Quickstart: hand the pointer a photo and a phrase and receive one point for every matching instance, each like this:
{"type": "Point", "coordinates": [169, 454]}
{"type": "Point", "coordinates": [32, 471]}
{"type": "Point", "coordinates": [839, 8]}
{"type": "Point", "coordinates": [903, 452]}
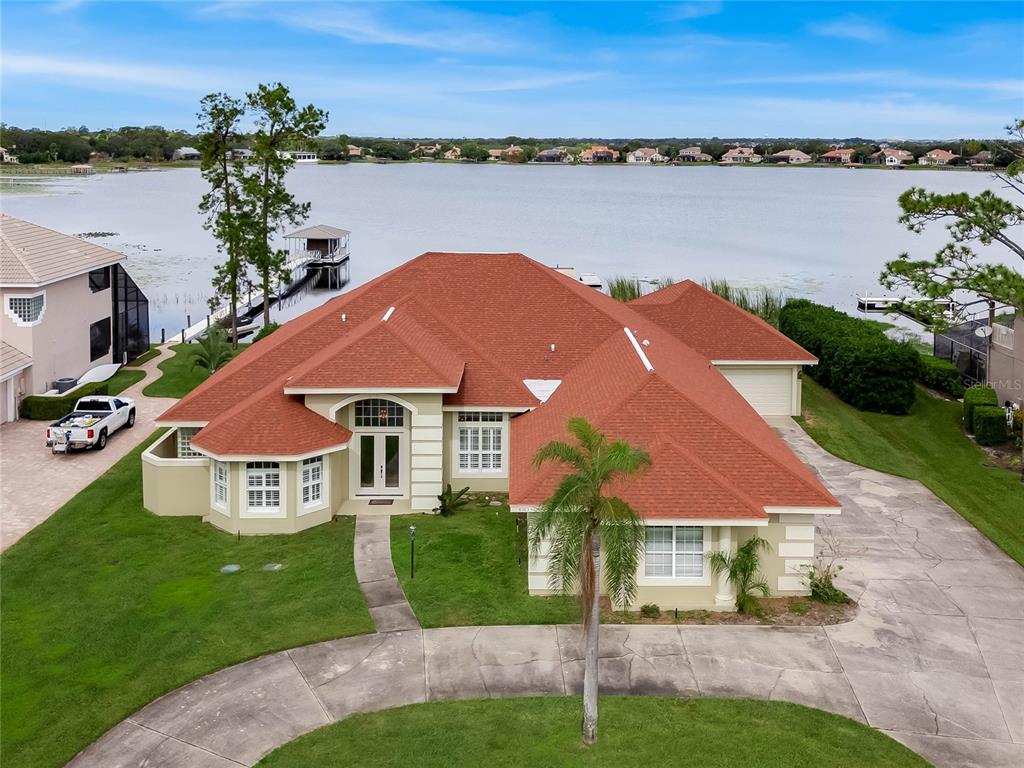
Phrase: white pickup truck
{"type": "Point", "coordinates": [94, 419]}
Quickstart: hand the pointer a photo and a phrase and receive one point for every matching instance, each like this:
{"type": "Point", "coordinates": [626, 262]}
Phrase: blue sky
{"type": "Point", "coordinates": [899, 70]}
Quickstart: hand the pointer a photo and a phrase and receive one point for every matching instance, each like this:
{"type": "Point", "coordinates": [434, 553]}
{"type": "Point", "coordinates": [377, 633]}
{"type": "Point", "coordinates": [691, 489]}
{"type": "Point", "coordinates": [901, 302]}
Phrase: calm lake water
{"type": "Point", "coordinates": [822, 233]}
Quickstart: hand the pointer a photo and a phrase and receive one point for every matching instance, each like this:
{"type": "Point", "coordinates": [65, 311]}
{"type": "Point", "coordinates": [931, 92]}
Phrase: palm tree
{"type": "Point", "coordinates": [214, 350]}
{"type": "Point", "coordinates": [578, 519]}
{"type": "Point", "coordinates": [741, 569]}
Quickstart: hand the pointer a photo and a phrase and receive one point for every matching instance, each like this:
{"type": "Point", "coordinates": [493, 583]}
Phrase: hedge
{"type": "Point", "coordinates": [990, 425]}
{"type": "Point", "coordinates": [856, 360]}
{"type": "Point", "coordinates": [942, 376]}
{"type": "Point", "coordinates": [52, 408]}
{"type": "Point", "coordinates": [978, 395]}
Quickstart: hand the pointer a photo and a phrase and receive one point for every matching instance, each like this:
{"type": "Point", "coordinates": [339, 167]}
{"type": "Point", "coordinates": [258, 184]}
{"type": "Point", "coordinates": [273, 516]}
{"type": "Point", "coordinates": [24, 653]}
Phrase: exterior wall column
{"type": "Point", "coordinates": [725, 598]}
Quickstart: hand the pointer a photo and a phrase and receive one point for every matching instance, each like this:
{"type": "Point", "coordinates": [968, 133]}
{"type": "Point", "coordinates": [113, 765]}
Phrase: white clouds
{"type": "Point", "coordinates": [890, 79]}
{"type": "Point", "coordinates": [693, 10]}
{"type": "Point", "coordinates": [102, 74]}
{"type": "Point", "coordinates": [851, 28]}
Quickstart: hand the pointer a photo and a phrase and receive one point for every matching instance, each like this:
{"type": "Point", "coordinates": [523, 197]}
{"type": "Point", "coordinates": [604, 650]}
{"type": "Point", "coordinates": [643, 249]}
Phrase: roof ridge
{"type": "Point", "coordinates": [408, 318]}
{"type": "Point", "coordinates": [715, 475]}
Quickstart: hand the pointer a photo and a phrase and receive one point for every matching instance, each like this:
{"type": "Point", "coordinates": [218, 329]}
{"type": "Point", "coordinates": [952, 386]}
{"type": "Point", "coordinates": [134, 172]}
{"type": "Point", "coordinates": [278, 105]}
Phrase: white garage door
{"type": "Point", "coordinates": [769, 389]}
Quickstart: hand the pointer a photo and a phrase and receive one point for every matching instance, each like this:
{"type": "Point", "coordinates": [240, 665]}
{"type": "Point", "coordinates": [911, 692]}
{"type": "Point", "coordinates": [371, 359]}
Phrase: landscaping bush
{"type": "Point", "coordinates": [52, 408]}
{"type": "Point", "coordinates": [990, 425]}
{"type": "Point", "coordinates": [856, 360]}
{"type": "Point", "coordinates": [978, 395]}
{"type": "Point", "coordinates": [650, 611]}
{"type": "Point", "coordinates": [266, 330]}
{"type": "Point", "coordinates": [942, 376]}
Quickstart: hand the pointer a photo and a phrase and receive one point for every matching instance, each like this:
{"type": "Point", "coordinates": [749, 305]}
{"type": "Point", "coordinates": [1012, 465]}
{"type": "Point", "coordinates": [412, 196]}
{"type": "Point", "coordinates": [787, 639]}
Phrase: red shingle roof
{"type": "Point", "coordinates": [484, 323]}
{"type": "Point", "coordinates": [716, 328]}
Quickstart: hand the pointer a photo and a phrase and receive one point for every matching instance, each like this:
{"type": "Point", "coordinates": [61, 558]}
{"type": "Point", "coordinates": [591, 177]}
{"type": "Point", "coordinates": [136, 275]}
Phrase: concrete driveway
{"type": "Point", "coordinates": [35, 483]}
{"type": "Point", "coordinates": [935, 658]}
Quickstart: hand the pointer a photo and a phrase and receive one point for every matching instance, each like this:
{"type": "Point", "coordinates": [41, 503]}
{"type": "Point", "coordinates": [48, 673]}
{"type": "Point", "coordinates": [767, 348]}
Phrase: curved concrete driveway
{"type": "Point", "coordinates": [35, 483]}
{"type": "Point", "coordinates": [935, 658]}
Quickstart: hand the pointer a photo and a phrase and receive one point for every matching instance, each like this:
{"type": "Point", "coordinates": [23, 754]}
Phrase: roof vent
{"type": "Point", "coordinates": [344, 317]}
{"type": "Point", "coordinates": [646, 342]}
{"type": "Point", "coordinates": [552, 347]}
{"type": "Point", "coordinates": [639, 350]}
{"type": "Point", "coordinates": [387, 314]}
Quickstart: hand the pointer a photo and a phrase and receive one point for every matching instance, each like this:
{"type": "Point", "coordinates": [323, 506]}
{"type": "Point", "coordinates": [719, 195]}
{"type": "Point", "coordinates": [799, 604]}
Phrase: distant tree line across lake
{"type": "Point", "coordinates": [155, 144]}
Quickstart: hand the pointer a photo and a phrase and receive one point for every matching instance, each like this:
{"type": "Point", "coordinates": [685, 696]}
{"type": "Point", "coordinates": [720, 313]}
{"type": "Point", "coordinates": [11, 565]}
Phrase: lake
{"type": "Point", "coordinates": [818, 232]}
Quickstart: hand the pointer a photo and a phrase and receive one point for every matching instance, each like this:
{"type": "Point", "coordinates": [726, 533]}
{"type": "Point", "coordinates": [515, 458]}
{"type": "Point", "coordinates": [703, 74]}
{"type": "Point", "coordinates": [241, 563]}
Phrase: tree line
{"type": "Point", "coordinates": [154, 143]}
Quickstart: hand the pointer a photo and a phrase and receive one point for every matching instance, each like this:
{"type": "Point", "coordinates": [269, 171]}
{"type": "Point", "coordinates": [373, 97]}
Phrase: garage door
{"type": "Point", "coordinates": [768, 389]}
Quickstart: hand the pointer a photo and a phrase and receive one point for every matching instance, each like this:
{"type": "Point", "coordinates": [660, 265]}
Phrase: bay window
{"type": "Point", "coordinates": [263, 486]}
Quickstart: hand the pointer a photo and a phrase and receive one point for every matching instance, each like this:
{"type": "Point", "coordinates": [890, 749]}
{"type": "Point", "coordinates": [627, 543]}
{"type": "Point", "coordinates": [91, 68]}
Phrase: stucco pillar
{"type": "Point", "coordinates": [725, 598]}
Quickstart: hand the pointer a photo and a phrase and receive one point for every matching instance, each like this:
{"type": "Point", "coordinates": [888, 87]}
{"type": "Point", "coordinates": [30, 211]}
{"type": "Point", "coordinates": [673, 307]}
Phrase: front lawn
{"type": "Point", "coordinates": [105, 607]}
{"type": "Point", "coordinates": [645, 732]}
{"type": "Point", "coordinates": [179, 374]}
{"type": "Point", "coordinates": [926, 445]}
{"type": "Point", "coordinates": [471, 570]}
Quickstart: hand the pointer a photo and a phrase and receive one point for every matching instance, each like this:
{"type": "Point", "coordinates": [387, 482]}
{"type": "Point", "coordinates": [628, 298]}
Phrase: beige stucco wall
{"type": "Point", "coordinates": [59, 343]}
{"type": "Point", "coordinates": [173, 486]}
{"type": "Point", "coordinates": [1006, 366]}
{"type": "Point", "coordinates": [476, 481]}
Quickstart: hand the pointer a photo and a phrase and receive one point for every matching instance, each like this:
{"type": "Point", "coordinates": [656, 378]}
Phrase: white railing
{"type": "Point", "coordinates": [1002, 335]}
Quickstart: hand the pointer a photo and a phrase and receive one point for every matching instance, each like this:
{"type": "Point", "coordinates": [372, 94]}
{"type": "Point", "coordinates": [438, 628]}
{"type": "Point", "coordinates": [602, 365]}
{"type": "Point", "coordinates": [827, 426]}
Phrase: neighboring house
{"type": "Point", "coordinates": [68, 306]}
{"type": "Point", "coordinates": [186, 153]}
{"type": "Point", "coordinates": [428, 150]}
{"type": "Point", "coordinates": [354, 152]}
{"type": "Point", "coordinates": [790, 156]}
{"type": "Point", "coordinates": [1006, 361]}
{"type": "Point", "coordinates": [982, 160]}
{"type": "Point", "coordinates": [553, 155]}
{"type": "Point", "coordinates": [645, 156]}
{"type": "Point", "coordinates": [693, 155]}
{"type": "Point", "coordinates": [7, 157]}
{"type": "Point", "coordinates": [739, 155]}
{"type": "Point", "coordinates": [241, 154]}
{"type": "Point", "coordinates": [599, 154]}
{"type": "Point", "coordinates": [457, 368]}
{"type": "Point", "coordinates": [455, 153]}
{"type": "Point", "coordinates": [891, 157]}
{"type": "Point", "coordinates": [840, 156]}
{"type": "Point", "coordinates": [511, 152]}
{"type": "Point", "coordinates": [937, 157]}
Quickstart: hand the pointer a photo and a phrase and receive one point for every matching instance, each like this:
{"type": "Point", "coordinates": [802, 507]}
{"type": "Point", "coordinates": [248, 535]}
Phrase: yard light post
{"type": "Point", "coordinates": [412, 551]}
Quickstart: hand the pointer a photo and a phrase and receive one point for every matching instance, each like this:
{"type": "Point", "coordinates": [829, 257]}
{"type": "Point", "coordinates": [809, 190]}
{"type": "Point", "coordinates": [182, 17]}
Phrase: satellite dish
{"type": "Point", "coordinates": [984, 331]}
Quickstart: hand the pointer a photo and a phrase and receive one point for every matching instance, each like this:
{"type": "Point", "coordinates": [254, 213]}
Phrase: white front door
{"type": "Point", "coordinates": [381, 466]}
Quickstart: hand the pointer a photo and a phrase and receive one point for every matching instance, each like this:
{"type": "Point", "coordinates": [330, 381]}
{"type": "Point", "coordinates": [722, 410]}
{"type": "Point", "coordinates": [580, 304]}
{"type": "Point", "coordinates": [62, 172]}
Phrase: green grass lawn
{"type": "Point", "coordinates": [105, 607]}
{"type": "Point", "coordinates": [179, 375]}
{"type": "Point", "coordinates": [145, 357]}
{"type": "Point", "coordinates": [123, 379]}
{"type": "Point", "coordinates": [471, 570]}
{"type": "Point", "coordinates": [645, 732]}
{"type": "Point", "coordinates": [926, 445]}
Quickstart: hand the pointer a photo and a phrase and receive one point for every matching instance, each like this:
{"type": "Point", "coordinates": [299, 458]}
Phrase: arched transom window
{"type": "Point", "coordinates": [377, 412]}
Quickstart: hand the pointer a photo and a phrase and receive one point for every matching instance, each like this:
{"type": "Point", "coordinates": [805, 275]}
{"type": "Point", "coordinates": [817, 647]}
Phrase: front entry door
{"type": "Point", "coordinates": [380, 464]}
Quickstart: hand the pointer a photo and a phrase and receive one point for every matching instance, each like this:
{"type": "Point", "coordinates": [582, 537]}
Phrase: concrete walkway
{"type": "Point", "coordinates": [935, 657]}
{"type": "Point", "coordinates": [35, 483]}
{"type": "Point", "coordinates": [376, 575]}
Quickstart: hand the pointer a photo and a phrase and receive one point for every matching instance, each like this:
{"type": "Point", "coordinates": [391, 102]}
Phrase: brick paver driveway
{"type": "Point", "coordinates": [34, 483]}
{"type": "Point", "coordinates": [935, 657]}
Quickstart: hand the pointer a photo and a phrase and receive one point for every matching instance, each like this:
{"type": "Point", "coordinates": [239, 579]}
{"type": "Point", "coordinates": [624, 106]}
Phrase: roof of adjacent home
{"type": "Point", "coordinates": [12, 360]}
{"type": "Point", "coordinates": [484, 330]}
{"type": "Point", "coordinates": [318, 232]}
{"type": "Point", "coordinates": [32, 256]}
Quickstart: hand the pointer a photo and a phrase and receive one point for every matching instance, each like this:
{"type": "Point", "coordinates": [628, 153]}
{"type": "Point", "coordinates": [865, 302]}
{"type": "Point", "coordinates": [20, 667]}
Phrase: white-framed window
{"type": "Point", "coordinates": [26, 309]}
{"type": "Point", "coordinates": [312, 481]}
{"type": "Point", "coordinates": [480, 442]}
{"type": "Point", "coordinates": [220, 484]}
{"type": "Point", "coordinates": [185, 450]}
{"type": "Point", "coordinates": [263, 486]}
{"type": "Point", "coordinates": [674, 552]}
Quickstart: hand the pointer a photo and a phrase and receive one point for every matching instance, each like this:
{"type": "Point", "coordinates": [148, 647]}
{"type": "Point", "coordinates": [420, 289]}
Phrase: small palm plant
{"type": "Point", "coordinates": [214, 350]}
{"type": "Point", "coordinates": [741, 568]}
{"type": "Point", "coordinates": [449, 502]}
{"type": "Point", "coordinates": [578, 520]}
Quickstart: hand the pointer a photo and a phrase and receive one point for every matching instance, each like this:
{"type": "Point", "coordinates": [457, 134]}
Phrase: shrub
{"type": "Point", "coordinates": [624, 288]}
{"type": "Point", "coordinates": [980, 394]}
{"type": "Point", "coordinates": [650, 610]}
{"type": "Point", "coordinates": [449, 501]}
{"type": "Point", "coordinates": [942, 376]}
{"type": "Point", "coordinates": [856, 360]}
{"type": "Point", "coordinates": [742, 570]}
{"type": "Point", "coordinates": [990, 425]}
{"type": "Point", "coordinates": [821, 581]}
{"type": "Point", "coordinates": [52, 408]}
{"type": "Point", "coordinates": [266, 330]}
